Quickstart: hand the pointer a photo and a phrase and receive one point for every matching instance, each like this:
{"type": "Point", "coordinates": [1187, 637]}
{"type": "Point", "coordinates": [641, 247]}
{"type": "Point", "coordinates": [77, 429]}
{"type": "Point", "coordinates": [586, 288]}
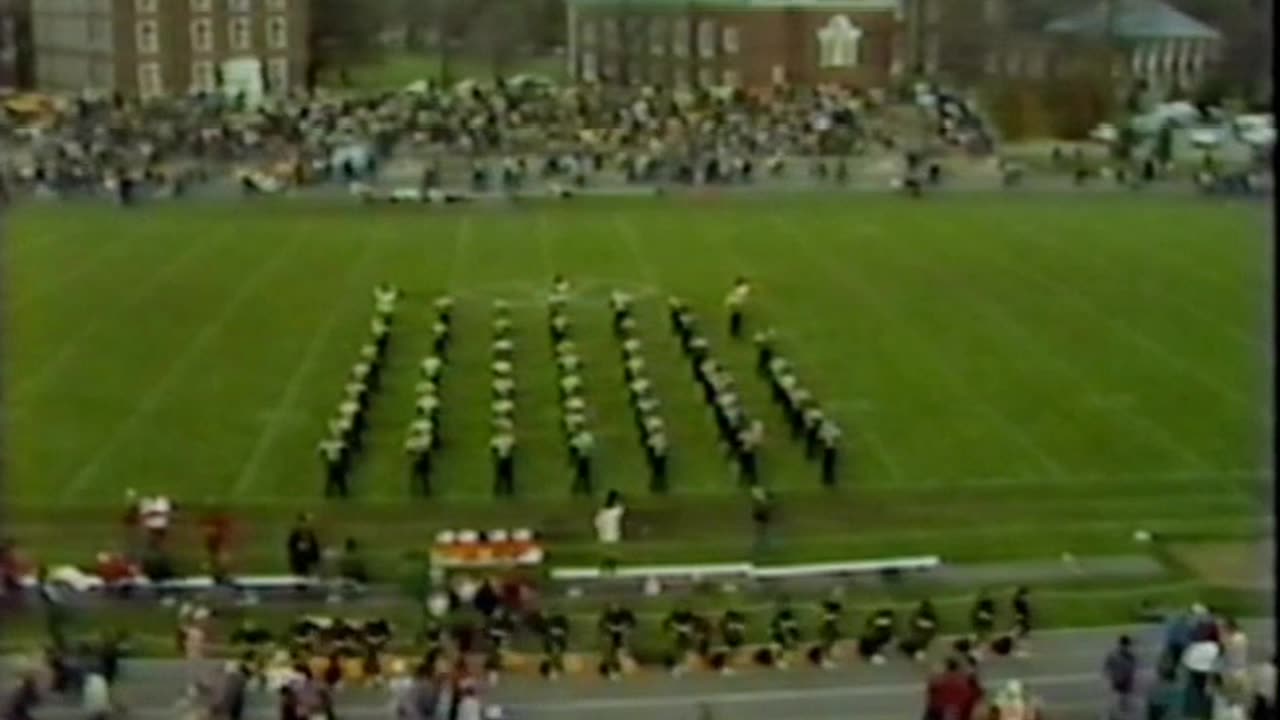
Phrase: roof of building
{"type": "Point", "coordinates": [1133, 19]}
{"type": "Point", "coordinates": [847, 5]}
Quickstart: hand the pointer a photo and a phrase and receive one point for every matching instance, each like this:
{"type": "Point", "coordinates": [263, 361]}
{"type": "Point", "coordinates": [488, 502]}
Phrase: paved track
{"type": "Point", "coordinates": [1063, 670]}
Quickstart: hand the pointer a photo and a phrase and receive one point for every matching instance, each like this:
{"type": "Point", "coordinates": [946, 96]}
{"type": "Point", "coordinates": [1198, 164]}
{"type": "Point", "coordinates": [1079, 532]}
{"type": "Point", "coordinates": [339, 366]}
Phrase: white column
{"type": "Point", "coordinates": [571, 57]}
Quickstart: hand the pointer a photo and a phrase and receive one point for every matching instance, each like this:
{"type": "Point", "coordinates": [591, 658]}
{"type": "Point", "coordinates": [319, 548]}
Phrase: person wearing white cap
{"type": "Point", "coordinates": [1201, 659]}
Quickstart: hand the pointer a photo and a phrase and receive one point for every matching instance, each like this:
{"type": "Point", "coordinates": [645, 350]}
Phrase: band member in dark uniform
{"type": "Point", "coordinates": [921, 631]}
{"type": "Point", "coordinates": [982, 618]}
{"type": "Point", "coordinates": [876, 636]}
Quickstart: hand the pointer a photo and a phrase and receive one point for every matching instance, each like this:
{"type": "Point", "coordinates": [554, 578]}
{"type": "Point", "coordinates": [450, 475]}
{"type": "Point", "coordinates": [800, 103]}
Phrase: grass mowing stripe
{"type": "Point", "coordinates": [1029, 342]}
{"type": "Point", "coordinates": [157, 391]}
{"type": "Point", "coordinates": [65, 280]}
{"type": "Point", "coordinates": [48, 369]}
{"type": "Point", "coordinates": [1135, 335]}
{"type": "Point", "coordinates": [248, 474]}
{"type": "Point", "coordinates": [1015, 433]}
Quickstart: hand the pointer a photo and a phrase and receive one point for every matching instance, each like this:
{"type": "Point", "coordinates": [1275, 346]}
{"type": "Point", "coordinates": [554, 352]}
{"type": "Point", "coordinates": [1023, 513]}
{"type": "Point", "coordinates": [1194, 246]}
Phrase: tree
{"type": "Point", "coordinates": [343, 32]}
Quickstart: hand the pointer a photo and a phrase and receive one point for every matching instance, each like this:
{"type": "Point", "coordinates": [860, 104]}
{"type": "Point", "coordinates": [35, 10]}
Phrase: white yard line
{"type": "Point", "coordinates": [1002, 420]}
{"type": "Point", "coordinates": [248, 475]}
{"type": "Point", "coordinates": [98, 320]}
{"type": "Point", "coordinates": [461, 236]}
{"type": "Point", "coordinates": [1135, 335]}
{"type": "Point", "coordinates": [159, 390]}
{"type": "Point", "coordinates": [1151, 429]}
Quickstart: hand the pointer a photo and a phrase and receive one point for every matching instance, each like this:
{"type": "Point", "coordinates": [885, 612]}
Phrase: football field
{"type": "Point", "coordinates": [1016, 376]}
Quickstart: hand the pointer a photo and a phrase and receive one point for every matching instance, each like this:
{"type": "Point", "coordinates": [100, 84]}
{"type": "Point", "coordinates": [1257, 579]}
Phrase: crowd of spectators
{"type": "Point", "coordinates": [86, 144]}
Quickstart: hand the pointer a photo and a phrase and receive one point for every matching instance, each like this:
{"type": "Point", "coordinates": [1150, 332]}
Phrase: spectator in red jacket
{"type": "Point", "coordinates": [951, 694]}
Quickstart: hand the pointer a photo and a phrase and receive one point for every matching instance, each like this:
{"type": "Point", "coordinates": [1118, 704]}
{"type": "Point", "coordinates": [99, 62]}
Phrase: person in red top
{"type": "Point", "coordinates": [216, 529]}
{"type": "Point", "coordinates": [951, 694]}
{"type": "Point", "coordinates": [114, 568]}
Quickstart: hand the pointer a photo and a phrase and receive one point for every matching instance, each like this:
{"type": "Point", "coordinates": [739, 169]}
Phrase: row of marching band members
{"type": "Point", "coordinates": [804, 414]}
{"type": "Point", "coordinates": [741, 434]}
{"type": "Point", "coordinates": [423, 439]}
{"type": "Point", "coordinates": [502, 444]}
{"type": "Point", "coordinates": [645, 407]}
{"type": "Point", "coordinates": [579, 441]}
{"type": "Point", "coordinates": [346, 429]}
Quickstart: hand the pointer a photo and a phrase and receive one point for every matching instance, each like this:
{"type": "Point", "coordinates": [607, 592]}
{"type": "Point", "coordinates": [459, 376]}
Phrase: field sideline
{"type": "Point", "coordinates": [1073, 367]}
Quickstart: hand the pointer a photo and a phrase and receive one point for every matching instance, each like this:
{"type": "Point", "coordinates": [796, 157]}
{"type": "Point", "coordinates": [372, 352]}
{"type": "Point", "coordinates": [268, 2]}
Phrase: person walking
{"type": "Point", "coordinates": [1121, 671]}
{"type": "Point", "coordinates": [1163, 693]}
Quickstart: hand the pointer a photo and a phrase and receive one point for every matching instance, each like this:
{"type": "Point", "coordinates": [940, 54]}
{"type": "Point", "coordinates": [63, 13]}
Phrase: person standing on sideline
{"type": "Point", "coordinates": [22, 701]}
{"type": "Point", "coordinates": [608, 524]}
{"type": "Point", "coordinates": [1264, 691]}
{"type": "Point", "coordinates": [303, 548]}
{"type": "Point", "coordinates": [1121, 671]}
{"type": "Point", "coordinates": [1235, 658]}
{"type": "Point", "coordinates": [1201, 659]}
{"type": "Point", "coordinates": [1163, 695]}
{"type": "Point", "coordinates": [96, 694]}
{"type": "Point", "coordinates": [761, 517]}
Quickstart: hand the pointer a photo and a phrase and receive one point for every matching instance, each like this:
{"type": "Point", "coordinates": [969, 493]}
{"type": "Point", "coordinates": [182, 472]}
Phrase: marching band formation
{"type": "Point", "coordinates": [740, 433]}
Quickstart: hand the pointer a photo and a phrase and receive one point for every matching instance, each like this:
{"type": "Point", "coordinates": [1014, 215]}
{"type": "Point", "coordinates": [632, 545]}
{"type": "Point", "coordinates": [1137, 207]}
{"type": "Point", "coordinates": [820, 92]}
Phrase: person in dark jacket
{"type": "Point", "coordinates": [303, 548]}
{"type": "Point", "coordinates": [1121, 671]}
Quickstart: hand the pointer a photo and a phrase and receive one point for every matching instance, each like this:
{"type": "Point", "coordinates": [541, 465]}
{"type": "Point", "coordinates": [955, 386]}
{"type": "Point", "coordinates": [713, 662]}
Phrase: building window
{"type": "Point", "coordinates": [201, 6]}
{"type": "Point", "coordinates": [680, 38]}
{"type": "Point", "coordinates": [991, 63]}
{"type": "Point", "coordinates": [707, 39]}
{"type": "Point", "coordinates": [1034, 67]}
{"type": "Point", "coordinates": [278, 74]}
{"type": "Point", "coordinates": [729, 38]}
{"type": "Point", "coordinates": [680, 78]}
{"type": "Point", "coordinates": [838, 43]}
{"type": "Point", "coordinates": [778, 74]}
{"type": "Point", "coordinates": [238, 31]}
{"type": "Point", "coordinates": [657, 37]}
{"type": "Point", "coordinates": [148, 37]}
{"type": "Point", "coordinates": [610, 39]}
{"type": "Point", "coordinates": [203, 76]}
{"type": "Point", "coordinates": [150, 81]}
{"type": "Point", "coordinates": [1013, 64]}
{"type": "Point", "coordinates": [145, 7]}
{"type": "Point", "coordinates": [933, 11]}
{"type": "Point", "coordinates": [991, 12]}
{"type": "Point", "coordinates": [202, 35]}
{"type": "Point", "coordinates": [932, 53]}
{"type": "Point", "coordinates": [277, 5]}
{"type": "Point", "coordinates": [706, 77]}
{"type": "Point", "coordinates": [730, 78]}
{"type": "Point", "coordinates": [239, 6]}
{"type": "Point", "coordinates": [277, 33]}
{"type": "Point", "coordinates": [587, 32]}
{"type": "Point", "coordinates": [590, 68]}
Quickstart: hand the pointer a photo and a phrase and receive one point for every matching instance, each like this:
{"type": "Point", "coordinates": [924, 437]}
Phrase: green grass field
{"type": "Point", "coordinates": [1017, 377]}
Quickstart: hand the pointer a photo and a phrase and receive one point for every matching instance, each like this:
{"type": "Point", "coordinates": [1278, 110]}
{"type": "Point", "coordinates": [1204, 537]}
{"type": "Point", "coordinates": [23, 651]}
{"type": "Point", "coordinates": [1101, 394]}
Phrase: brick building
{"type": "Point", "coordinates": [15, 44]}
{"type": "Point", "coordinates": [148, 48]}
{"type": "Point", "coordinates": [749, 43]}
